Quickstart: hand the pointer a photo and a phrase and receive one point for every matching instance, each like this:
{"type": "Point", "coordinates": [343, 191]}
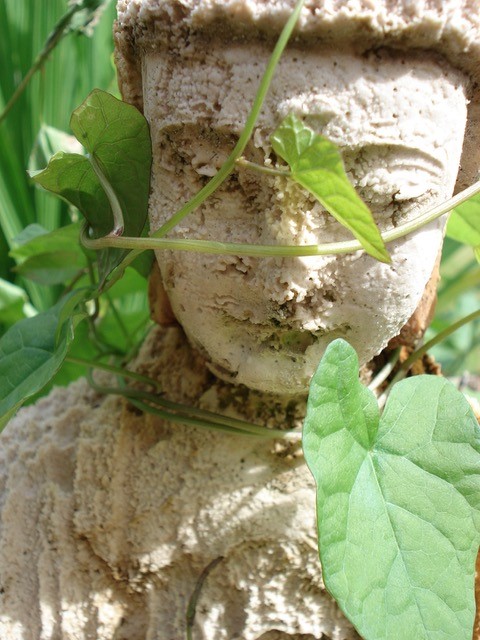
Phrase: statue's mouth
{"type": "Point", "coordinates": [281, 338]}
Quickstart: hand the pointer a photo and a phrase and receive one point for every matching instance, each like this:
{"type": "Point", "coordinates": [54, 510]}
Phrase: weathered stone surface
{"type": "Point", "coordinates": [108, 517]}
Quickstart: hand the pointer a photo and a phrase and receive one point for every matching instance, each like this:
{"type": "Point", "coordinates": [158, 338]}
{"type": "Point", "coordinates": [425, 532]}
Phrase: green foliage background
{"type": "Point", "coordinates": [77, 65]}
{"type": "Point", "coordinates": [81, 62]}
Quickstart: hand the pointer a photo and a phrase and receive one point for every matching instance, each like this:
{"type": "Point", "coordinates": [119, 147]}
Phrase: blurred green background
{"type": "Point", "coordinates": [82, 61]}
{"type": "Point", "coordinates": [78, 64]}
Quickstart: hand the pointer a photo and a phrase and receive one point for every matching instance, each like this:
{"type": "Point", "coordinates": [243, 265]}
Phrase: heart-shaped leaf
{"type": "Point", "coordinates": [111, 185]}
{"type": "Point", "coordinates": [317, 165]}
{"type": "Point", "coordinates": [397, 499]}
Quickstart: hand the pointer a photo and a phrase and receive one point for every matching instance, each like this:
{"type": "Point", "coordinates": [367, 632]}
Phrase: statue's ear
{"type": "Point", "coordinates": [160, 309]}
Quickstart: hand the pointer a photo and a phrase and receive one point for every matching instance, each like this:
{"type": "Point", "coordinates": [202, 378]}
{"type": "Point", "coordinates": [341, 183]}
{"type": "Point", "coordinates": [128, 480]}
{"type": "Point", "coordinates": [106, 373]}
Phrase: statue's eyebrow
{"type": "Point", "coordinates": [385, 149]}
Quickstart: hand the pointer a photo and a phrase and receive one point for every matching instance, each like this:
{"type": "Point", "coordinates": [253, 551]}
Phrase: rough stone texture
{"type": "Point", "coordinates": [108, 517]}
{"type": "Point", "coordinates": [265, 322]}
{"type": "Point", "coordinates": [449, 27]}
{"type": "Point", "coordinates": [357, 72]}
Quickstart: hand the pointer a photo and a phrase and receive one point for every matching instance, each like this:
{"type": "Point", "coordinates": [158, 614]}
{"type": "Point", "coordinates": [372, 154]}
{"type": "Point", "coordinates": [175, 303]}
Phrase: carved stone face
{"type": "Point", "coordinates": [399, 121]}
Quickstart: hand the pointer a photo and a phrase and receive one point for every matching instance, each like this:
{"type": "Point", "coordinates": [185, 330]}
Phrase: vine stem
{"type": "Point", "coordinates": [126, 373]}
{"type": "Point", "coordinates": [118, 222]}
{"type": "Point", "coordinates": [265, 251]}
{"type": "Point", "coordinates": [192, 603]}
{"type": "Point", "coordinates": [421, 351]}
{"type": "Point", "coordinates": [176, 412]}
{"type": "Point", "coordinates": [383, 374]}
{"type": "Point", "coordinates": [260, 168]}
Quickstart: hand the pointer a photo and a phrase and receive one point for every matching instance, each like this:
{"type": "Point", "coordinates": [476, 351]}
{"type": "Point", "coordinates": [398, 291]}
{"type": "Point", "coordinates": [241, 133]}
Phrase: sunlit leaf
{"type": "Point", "coordinates": [317, 165]}
{"type": "Point", "coordinates": [117, 139]}
{"type": "Point", "coordinates": [398, 500]}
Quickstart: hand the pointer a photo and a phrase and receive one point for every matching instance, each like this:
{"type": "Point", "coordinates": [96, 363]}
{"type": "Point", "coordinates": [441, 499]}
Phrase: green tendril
{"type": "Point", "coordinates": [284, 251]}
{"type": "Point", "coordinates": [173, 411]}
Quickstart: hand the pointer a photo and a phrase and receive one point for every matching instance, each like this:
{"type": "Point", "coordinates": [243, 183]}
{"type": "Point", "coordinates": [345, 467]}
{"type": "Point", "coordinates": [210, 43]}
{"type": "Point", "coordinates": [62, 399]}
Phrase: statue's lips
{"type": "Point", "coordinates": [260, 340]}
{"type": "Point", "coordinates": [274, 335]}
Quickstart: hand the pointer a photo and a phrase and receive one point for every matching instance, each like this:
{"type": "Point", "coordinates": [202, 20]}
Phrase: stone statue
{"type": "Point", "coordinates": [108, 516]}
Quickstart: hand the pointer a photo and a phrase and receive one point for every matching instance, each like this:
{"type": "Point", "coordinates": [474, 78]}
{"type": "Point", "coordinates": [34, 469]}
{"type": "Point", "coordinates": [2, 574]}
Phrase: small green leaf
{"type": "Point", "coordinates": [71, 176]}
{"type": "Point", "coordinates": [114, 180]}
{"type": "Point", "coordinates": [397, 499]}
{"type": "Point", "coordinates": [316, 165]}
{"type": "Point", "coordinates": [31, 352]}
{"type": "Point", "coordinates": [464, 222]}
{"type": "Point", "coordinates": [34, 240]}
{"type": "Point", "coordinates": [51, 268]}
{"type": "Point", "coordinates": [49, 258]}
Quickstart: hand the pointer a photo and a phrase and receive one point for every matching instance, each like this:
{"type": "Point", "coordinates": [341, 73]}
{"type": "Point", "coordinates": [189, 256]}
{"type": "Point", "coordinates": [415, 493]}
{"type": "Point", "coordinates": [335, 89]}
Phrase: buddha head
{"type": "Point", "coordinates": [392, 84]}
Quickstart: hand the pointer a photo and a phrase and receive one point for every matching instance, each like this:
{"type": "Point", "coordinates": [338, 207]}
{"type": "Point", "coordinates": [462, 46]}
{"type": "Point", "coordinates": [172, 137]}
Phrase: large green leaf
{"type": "Point", "coordinates": [397, 500]}
{"type": "Point", "coordinates": [32, 351]}
{"type": "Point", "coordinates": [464, 224]}
{"type": "Point", "coordinates": [317, 165]}
{"type": "Point", "coordinates": [113, 179]}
